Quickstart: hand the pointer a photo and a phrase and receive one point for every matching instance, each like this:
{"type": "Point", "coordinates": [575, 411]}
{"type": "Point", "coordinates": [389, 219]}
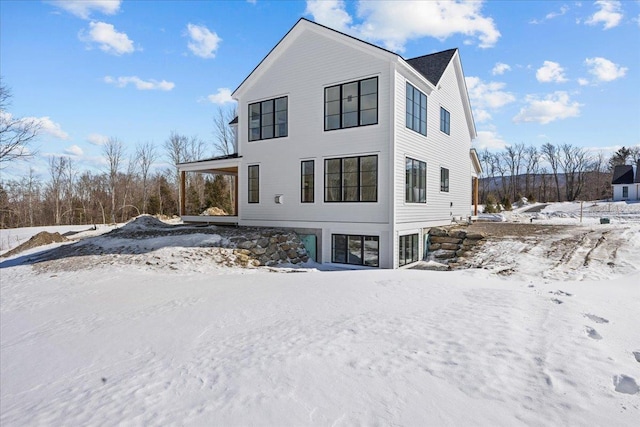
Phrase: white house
{"type": "Point", "coordinates": [625, 183]}
{"type": "Point", "coordinates": [357, 149]}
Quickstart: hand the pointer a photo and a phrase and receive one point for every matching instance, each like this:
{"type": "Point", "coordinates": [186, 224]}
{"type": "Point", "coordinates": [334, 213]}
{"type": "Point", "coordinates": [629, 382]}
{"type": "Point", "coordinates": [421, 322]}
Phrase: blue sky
{"type": "Point", "coordinates": [537, 71]}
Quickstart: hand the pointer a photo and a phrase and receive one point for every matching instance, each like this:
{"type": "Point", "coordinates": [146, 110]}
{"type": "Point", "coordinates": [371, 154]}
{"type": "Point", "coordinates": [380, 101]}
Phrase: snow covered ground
{"type": "Point", "coordinates": [158, 332]}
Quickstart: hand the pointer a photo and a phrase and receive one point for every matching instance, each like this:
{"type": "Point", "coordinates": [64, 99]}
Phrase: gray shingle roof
{"type": "Point", "coordinates": [622, 174]}
{"type": "Point", "coordinates": [432, 66]}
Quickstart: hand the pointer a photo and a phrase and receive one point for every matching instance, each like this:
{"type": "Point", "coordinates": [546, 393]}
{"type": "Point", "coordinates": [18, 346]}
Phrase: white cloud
{"type": "Point", "coordinates": [331, 13]}
{"type": "Point", "coordinates": [486, 96]}
{"type": "Point", "coordinates": [393, 23]}
{"type": "Point", "coordinates": [551, 72]}
{"type": "Point", "coordinates": [551, 15]}
{"type": "Point", "coordinates": [554, 106]}
{"type": "Point", "coordinates": [203, 42]}
{"type": "Point", "coordinates": [609, 14]}
{"type": "Point", "coordinates": [490, 140]}
{"type": "Point", "coordinates": [97, 139]}
{"type": "Point", "coordinates": [500, 68]}
{"type": "Point", "coordinates": [107, 38]}
{"type": "Point", "coordinates": [605, 70]}
{"type": "Point", "coordinates": [84, 8]}
{"type": "Point", "coordinates": [583, 82]}
{"type": "Point", "coordinates": [222, 97]}
{"type": "Point", "coordinates": [50, 127]}
{"type": "Point", "coordinates": [74, 150]}
{"type": "Point", "coordinates": [139, 83]}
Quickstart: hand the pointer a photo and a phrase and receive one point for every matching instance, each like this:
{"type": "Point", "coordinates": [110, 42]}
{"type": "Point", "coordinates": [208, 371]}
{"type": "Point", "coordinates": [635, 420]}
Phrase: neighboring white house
{"type": "Point", "coordinates": [356, 148]}
{"type": "Point", "coordinates": [626, 182]}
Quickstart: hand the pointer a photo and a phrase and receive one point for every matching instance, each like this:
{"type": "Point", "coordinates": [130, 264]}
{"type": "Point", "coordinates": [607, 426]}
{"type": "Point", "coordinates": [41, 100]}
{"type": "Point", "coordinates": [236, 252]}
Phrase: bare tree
{"type": "Point", "coordinates": [57, 170]}
{"type": "Point", "coordinates": [532, 165]}
{"type": "Point", "coordinates": [113, 152]}
{"type": "Point", "coordinates": [552, 154]}
{"type": "Point", "coordinates": [15, 133]}
{"type": "Point", "coordinates": [146, 154]}
{"type": "Point", "coordinates": [575, 161]}
{"type": "Point", "coordinates": [223, 132]}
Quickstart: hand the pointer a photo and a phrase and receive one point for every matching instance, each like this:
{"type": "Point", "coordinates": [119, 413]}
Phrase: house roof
{"type": "Point", "coordinates": [234, 121]}
{"type": "Point", "coordinates": [432, 66]}
{"type": "Point", "coordinates": [622, 174]}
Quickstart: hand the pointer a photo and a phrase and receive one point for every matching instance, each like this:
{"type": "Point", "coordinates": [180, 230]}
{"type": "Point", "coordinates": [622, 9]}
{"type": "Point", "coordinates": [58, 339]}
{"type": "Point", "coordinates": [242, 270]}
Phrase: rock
{"type": "Point", "coordinates": [282, 238]}
{"type": "Point", "coordinates": [434, 246]}
{"type": "Point", "coordinates": [295, 261]}
{"type": "Point", "coordinates": [476, 235]}
{"type": "Point", "coordinates": [273, 248]}
{"type": "Point", "coordinates": [438, 231]}
{"type": "Point", "coordinates": [258, 251]}
{"type": "Point", "coordinates": [292, 254]}
{"type": "Point", "coordinates": [444, 254]}
{"type": "Point", "coordinates": [285, 247]}
{"type": "Point", "coordinates": [263, 242]}
{"type": "Point", "coordinates": [449, 246]}
{"type": "Point", "coordinates": [283, 255]}
{"type": "Point", "coordinates": [304, 258]}
{"type": "Point", "coordinates": [460, 234]}
{"type": "Point", "coordinates": [446, 239]}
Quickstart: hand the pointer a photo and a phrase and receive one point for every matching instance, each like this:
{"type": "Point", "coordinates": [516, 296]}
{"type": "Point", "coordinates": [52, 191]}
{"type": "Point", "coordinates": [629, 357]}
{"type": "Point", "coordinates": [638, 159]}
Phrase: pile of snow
{"type": "Point", "coordinates": [145, 222]}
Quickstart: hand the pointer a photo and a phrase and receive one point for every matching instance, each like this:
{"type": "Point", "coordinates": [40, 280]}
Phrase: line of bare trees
{"type": "Point", "coordinates": [549, 173]}
{"type": "Point", "coordinates": [131, 183]}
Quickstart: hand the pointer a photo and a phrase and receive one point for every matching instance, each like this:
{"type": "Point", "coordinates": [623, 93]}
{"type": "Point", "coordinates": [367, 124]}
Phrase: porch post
{"type": "Point", "coordinates": [182, 192]}
{"type": "Point", "coordinates": [235, 196]}
{"type": "Point", "coordinates": [475, 196]}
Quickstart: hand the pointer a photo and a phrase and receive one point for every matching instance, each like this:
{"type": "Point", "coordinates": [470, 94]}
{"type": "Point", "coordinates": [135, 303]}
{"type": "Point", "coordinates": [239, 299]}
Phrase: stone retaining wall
{"type": "Point", "coordinates": [452, 245]}
{"type": "Point", "coordinates": [268, 247]}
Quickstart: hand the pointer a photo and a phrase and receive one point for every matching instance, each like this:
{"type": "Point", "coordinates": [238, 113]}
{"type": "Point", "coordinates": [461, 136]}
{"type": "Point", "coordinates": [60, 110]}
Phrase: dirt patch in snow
{"type": "Point", "coordinates": [41, 239]}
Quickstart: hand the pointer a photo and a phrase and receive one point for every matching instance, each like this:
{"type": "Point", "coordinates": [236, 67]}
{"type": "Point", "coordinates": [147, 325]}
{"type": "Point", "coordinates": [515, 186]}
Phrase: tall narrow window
{"type": "Point", "coordinates": [415, 181]}
{"type": "Point", "coordinates": [268, 119]}
{"type": "Point", "coordinates": [254, 184]}
{"type": "Point", "coordinates": [351, 179]}
{"type": "Point", "coordinates": [351, 104]}
{"type": "Point", "coordinates": [307, 189]}
{"type": "Point", "coordinates": [625, 192]}
{"type": "Point", "coordinates": [444, 180]}
{"type": "Point", "coordinates": [408, 249]}
{"type": "Point", "coordinates": [416, 106]}
{"type": "Point", "coordinates": [445, 121]}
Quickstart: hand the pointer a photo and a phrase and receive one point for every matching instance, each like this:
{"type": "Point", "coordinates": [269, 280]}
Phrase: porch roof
{"type": "Point", "coordinates": [219, 165]}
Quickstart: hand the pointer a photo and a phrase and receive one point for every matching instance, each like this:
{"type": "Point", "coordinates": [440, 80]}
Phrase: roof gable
{"type": "Point", "coordinates": [432, 66]}
{"type": "Point", "coordinates": [622, 174]}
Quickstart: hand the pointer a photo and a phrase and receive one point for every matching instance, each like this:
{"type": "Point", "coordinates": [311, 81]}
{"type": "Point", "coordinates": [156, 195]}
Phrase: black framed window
{"type": "Point", "coordinates": [307, 185]}
{"type": "Point", "coordinates": [444, 180]}
{"type": "Point", "coordinates": [415, 181]}
{"type": "Point", "coordinates": [408, 249]}
{"type": "Point", "coordinates": [268, 119]}
{"type": "Point", "coordinates": [416, 107]}
{"type": "Point", "coordinates": [355, 249]}
{"type": "Point", "coordinates": [351, 104]}
{"type": "Point", "coordinates": [445, 121]}
{"type": "Point", "coordinates": [254, 184]}
{"type": "Point", "coordinates": [625, 192]}
{"type": "Point", "coordinates": [351, 179]}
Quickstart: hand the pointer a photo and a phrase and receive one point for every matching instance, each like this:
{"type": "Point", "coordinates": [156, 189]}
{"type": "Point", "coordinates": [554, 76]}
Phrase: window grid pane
{"type": "Point", "coordinates": [415, 181]}
{"type": "Point", "coordinates": [351, 104]}
{"type": "Point", "coordinates": [308, 188]}
{"type": "Point", "coordinates": [254, 184]}
{"type": "Point", "coordinates": [416, 109]}
{"type": "Point", "coordinates": [355, 249]}
{"type": "Point", "coordinates": [351, 179]}
{"type": "Point", "coordinates": [444, 180]}
{"type": "Point", "coordinates": [268, 119]}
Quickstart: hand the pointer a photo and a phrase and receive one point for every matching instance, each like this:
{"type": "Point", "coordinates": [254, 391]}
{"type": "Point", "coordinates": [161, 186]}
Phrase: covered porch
{"type": "Point", "coordinates": [227, 166]}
